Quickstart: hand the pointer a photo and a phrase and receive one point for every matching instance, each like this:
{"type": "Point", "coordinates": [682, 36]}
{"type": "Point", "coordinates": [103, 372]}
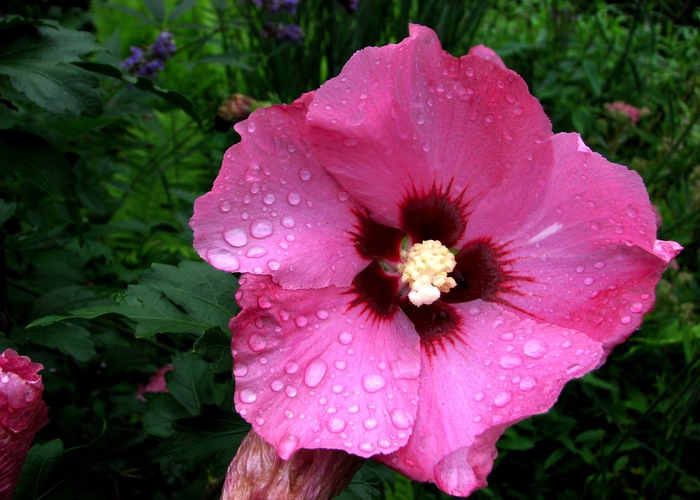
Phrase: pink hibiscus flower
{"type": "Point", "coordinates": [425, 263]}
{"type": "Point", "coordinates": [22, 413]}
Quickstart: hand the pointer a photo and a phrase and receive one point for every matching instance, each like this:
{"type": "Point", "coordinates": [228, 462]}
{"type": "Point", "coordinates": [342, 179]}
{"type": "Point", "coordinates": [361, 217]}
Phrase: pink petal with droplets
{"type": "Point", "coordinates": [500, 370]}
{"type": "Point", "coordinates": [403, 118]}
{"type": "Point", "coordinates": [487, 53]}
{"type": "Point", "coordinates": [581, 242]}
{"type": "Point", "coordinates": [313, 373]}
{"type": "Point", "coordinates": [274, 209]}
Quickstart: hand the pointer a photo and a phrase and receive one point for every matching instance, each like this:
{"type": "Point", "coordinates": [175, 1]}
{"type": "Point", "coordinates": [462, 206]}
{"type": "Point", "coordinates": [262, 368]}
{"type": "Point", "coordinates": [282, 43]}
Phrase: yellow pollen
{"type": "Point", "coordinates": [425, 270]}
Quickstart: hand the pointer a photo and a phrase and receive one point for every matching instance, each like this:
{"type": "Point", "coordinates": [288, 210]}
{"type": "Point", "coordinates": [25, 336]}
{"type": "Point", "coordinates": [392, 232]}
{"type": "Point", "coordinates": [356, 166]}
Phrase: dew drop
{"type": "Point", "coordinates": [236, 237]}
{"type": "Point", "coordinates": [502, 399]}
{"type": "Point", "coordinates": [426, 147]}
{"type": "Point", "coordinates": [337, 389]}
{"type": "Point", "coordinates": [625, 320]}
{"type": "Point", "coordinates": [314, 372]}
{"type": "Point", "coordinates": [305, 174]}
{"type": "Point", "coordinates": [366, 447]}
{"type": "Point", "coordinates": [637, 307]}
{"type": "Point", "coordinates": [566, 344]}
{"type": "Point", "coordinates": [257, 343]}
{"type": "Point", "coordinates": [510, 361]}
{"type": "Point", "coordinates": [256, 252]}
{"type": "Point", "coordinates": [293, 198]}
{"type": "Point", "coordinates": [535, 348]}
{"type": "Point", "coordinates": [273, 265]}
{"type": "Point", "coordinates": [248, 396]}
{"type": "Point", "coordinates": [343, 196]}
{"type": "Point", "coordinates": [588, 281]}
{"type": "Point", "coordinates": [288, 446]}
{"type": "Point", "coordinates": [345, 338]}
{"type": "Point", "coordinates": [372, 383]}
{"type": "Point", "coordinates": [420, 119]}
{"type": "Point", "coordinates": [240, 369]}
{"type": "Point", "coordinates": [287, 221]}
{"type": "Point", "coordinates": [322, 314]}
{"type": "Point", "coordinates": [291, 367]}
{"type": "Point", "coordinates": [269, 199]}
{"type": "Point", "coordinates": [340, 365]}
{"type": "Point", "coordinates": [261, 229]}
{"type": "Point", "coordinates": [400, 419]}
{"type": "Point", "coordinates": [251, 127]}
{"type": "Point", "coordinates": [488, 118]}
{"type": "Point", "coordinates": [479, 396]}
{"type": "Point", "coordinates": [527, 383]}
{"type": "Point", "coordinates": [225, 206]}
{"type": "Point", "coordinates": [370, 423]}
{"type": "Point", "coordinates": [276, 385]}
{"type": "Point", "coordinates": [599, 265]}
{"type": "Point", "coordinates": [290, 391]}
{"type": "Point", "coordinates": [301, 321]}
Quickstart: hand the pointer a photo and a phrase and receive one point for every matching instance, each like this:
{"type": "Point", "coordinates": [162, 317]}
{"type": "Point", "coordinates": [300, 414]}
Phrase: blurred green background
{"type": "Point", "coordinates": [99, 168]}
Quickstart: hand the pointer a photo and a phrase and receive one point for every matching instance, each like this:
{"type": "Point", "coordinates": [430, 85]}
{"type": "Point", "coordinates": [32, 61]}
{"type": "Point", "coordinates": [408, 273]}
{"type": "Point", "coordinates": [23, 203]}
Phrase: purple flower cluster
{"type": "Point", "coordinates": [150, 61]}
{"type": "Point", "coordinates": [283, 32]}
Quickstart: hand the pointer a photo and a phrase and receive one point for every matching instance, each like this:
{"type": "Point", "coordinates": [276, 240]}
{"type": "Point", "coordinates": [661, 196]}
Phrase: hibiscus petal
{"type": "Point", "coordinates": [580, 247]}
{"type": "Point", "coordinates": [503, 369]}
{"type": "Point", "coordinates": [274, 210]}
{"type": "Point", "coordinates": [403, 119]}
{"type": "Point", "coordinates": [311, 372]}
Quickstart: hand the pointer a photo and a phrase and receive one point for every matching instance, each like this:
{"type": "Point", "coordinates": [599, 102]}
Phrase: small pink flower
{"type": "Point", "coordinates": [425, 263]}
{"type": "Point", "coordinates": [22, 413]}
{"type": "Point", "coordinates": [156, 383]}
{"type": "Point", "coordinates": [624, 109]}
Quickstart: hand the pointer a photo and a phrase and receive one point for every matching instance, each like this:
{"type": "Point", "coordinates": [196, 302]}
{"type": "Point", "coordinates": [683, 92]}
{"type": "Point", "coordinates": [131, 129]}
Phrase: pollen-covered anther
{"type": "Point", "coordinates": [425, 270]}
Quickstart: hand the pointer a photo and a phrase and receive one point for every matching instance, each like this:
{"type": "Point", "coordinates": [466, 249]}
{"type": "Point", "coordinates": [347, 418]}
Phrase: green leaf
{"type": "Point", "coordinates": [163, 411]}
{"type": "Point", "coordinates": [37, 160]}
{"type": "Point", "coordinates": [56, 87]}
{"type": "Point", "coordinates": [366, 485]}
{"type": "Point", "coordinates": [38, 466]}
{"type": "Point", "coordinates": [71, 339]}
{"type": "Point", "coordinates": [215, 348]}
{"type": "Point", "coordinates": [36, 60]}
{"type": "Point", "coordinates": [190, 382]}
{"type": "Point", "coordinates": [7, 210]}
{"type": "Point", "coordinates": [157, 9]}
{"type": "Point", "coordinates": [215, 435]}
{"type": "Point", "coordinates": [181, 9]}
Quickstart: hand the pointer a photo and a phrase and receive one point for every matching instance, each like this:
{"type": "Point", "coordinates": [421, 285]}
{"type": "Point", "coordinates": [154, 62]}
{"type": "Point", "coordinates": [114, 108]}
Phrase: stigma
{"type": "Point", "coordinates": [425, 268]}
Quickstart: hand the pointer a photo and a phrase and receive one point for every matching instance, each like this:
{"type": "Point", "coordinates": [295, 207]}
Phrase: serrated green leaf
{"type": "Point", "coordinates": [366, 485]}
{"type": "Point", "coordinates": [215, 435]}
{"type": "Point", "coordinates": [190, 382]}
{"type": "Point", "coordinates": [145, 84]}
{"type": "Point", "coordinates": [163, 411]}
{"type": "Point", "coordinates": [207, 295]}
{"type": "Point", "coordinates": [71, 339]}
{"type": "Point", "coordinates": [55, 86]}
{"type": "Point", "coordinates": [54, 44]}
{"type": "Point", "coordinates": [7, 210]}
{"type": "Point", "coordinates": [37, 160]}
{"type": "Point", "coordinates": [38, 466]}
{"type": "Point", "coordinates": [215, 348]}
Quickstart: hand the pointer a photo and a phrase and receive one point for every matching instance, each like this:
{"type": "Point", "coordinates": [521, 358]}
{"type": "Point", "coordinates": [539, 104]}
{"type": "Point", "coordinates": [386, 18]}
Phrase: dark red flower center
{"type": "Point", "coordinates": [483, 269]}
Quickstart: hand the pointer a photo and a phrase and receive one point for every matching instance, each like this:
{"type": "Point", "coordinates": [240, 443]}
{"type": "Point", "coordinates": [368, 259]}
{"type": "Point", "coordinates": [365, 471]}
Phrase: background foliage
{"type": "Point", "coordinates": [99, 281]}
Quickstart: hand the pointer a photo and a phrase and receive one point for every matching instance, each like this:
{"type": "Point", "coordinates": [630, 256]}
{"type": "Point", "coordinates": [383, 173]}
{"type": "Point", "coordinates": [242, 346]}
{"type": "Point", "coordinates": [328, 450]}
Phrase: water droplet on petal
{"type": "Point", "coordinates": [336, 425]}
{"type": "Point", "coordinates": [625, 320]}
{"type": "Point", "coordinates": [370, 423]}
{"type": "Point", "coordinates": [273, 265]}
{"type": "Point", "coordinates": [236, 237]}
{"type": "Point", "coordinates": [301, 321]}
{"type": "Point", "coordinates": [510, 361]}
{"type": "Point", "coordinates": [304, 174]}
{"type": "Point", "coordinates": [479, 396]}
{"type": "Point", "coordinates": [293, 198]}
{"type": "Point", "coordinates": [400, 419]}
{"type": "Point", "coordinates": [276, 385]}
{"type": "Point", "coordinates": [287, 221]}
{"type": "Point", "coordinates": [291, 367]}
{"type": "Point", "coordinates": [257, 343]}
{"type": "Point", "coordinates": [340, 365]}
{"type": "Point", "coordinates": [345, 338]}
{"type": "Point", "coordinates": [261, 229]}
{"type": "Point", "coordinates": [269, 199]}
{"type": "Point", "coordinates": [502, 399]}
{"type": "Point", "coordinates": [288, 446]}
{"type": "Point", "coordinates": [637, 307]}
{"type": "Point", "coordinates": [256, 252]}
{"type": "Point", "coordinates": [535, 348]}
{"type": "Point", "coordinates": [322, 314]}
{"type": "Point", "coordinates": [251, 127]}
{"type": "Point", "coordinates": [566, 344]}
{"type": "Point", "coordinates": [372, 383]}
{"type": "Point", "coordinates": [248, 396]}
{"type": "Point", "coordinates": [527, 383]}
{"type": "Point", "coordinates": [588, 281]}
{"type": "Point", "coordinates": [240, 369]}
{"type": "Point", "coordinates": [225, 206]}
{"type": "Point", "coordinates": [366, 447]}
{"type": "Point", "coordinates": [314, 372]}
{"type": "Point", "coordinates": [290, 391]}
